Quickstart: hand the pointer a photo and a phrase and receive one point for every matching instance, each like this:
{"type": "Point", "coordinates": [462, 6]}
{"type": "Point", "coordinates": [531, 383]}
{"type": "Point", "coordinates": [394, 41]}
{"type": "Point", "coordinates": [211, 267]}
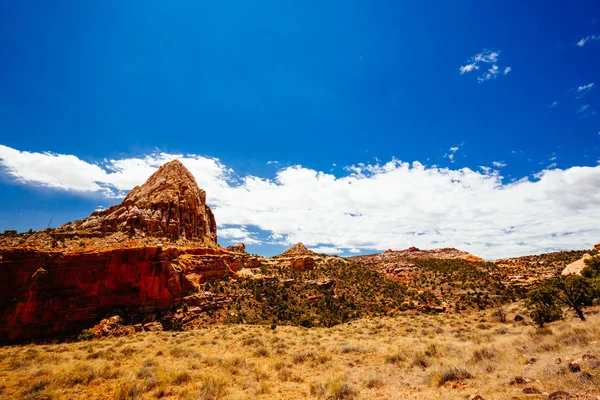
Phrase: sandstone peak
{"type": "Point", "coordinates": [169, 204]}
{"type": "Point", "coordinates": [239, 247]}
{"type": "Point", "coordinates": [298, 249]}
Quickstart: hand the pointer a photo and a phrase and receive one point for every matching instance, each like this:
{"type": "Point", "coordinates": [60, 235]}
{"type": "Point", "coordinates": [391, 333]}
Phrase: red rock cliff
{"type": "Point", "coordinates": [65, 280]}
{"type": "Point", "coordinates": [48, 293]}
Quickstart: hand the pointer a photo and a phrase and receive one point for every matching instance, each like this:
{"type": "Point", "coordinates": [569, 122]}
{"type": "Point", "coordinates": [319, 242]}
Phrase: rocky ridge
{"type": "Point", "coordinates": [525, 271]}
{"type": "Point", "coordinates": [399, 261]}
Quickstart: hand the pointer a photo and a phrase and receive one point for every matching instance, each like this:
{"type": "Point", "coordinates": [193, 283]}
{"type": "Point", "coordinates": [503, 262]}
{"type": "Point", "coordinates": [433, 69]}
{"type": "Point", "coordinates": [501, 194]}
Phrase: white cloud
{"type": "Point", "coordinates": [485, 57]}
{"type": "Point", "coordinates": [498, 164]}
{"type": "Point", "coordinates": [354, 250]}
{"type": "Point", "coordinates": [272, 162]}
{"type": "Point", "coordinates": [491, 73]}
{"type": "Point", "coordinates": [326, 250]}
{"type": "Point", "coordinates": [585, 111]}
{"type": "Point", "coordinates": [584, 40]}
{"type": "Point", "coordinates": [452, 152]}
{"type": "Point", "coordinates": [238, 234]}
{"type": "Point", "coordinates": [370, 207]}
{"type": "Point", "coordinates": [553, 104]}
{"type": "Point", "coordinates": [583, 108]}
{"type": "Point", "coordinates": [468, 68]}
{"type": "Point", "coordinates": [585, 89]}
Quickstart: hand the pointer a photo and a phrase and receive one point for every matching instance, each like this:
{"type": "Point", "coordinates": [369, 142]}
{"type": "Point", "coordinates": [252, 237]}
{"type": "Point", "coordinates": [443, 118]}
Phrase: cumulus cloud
{"type": "Point", "coordinates": [584, 40]}
{"type": "Point", "coordinates": [485, 58]}
{"type": "Point", "coordinates": [370, 207]}
{"type": "Point", "coordinates": [238, 234]}
{"type": "Point", "coordinates": [498, 164]}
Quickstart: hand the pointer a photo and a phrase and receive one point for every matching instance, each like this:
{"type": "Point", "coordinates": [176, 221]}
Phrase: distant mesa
{"type": "Point", "coordinates": [170, 204]}
{"type": "Point", "coordinates": [414, 252]}
{"type": "Point", "coordinates": [239, 247]}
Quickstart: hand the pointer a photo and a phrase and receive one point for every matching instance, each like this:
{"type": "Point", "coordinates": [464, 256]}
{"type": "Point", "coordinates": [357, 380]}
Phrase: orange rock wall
{"type": "Point", "coordinates": [51, 293]}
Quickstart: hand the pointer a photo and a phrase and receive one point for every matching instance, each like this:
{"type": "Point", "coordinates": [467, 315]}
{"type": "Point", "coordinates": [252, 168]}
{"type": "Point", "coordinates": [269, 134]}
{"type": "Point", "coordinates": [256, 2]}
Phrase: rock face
{"type": "Point", "coordinates": [49, 293]}
{"type": "Point", "coordinates": [169, 204]}
{"type": "Point", "coordinates": [303, 263]}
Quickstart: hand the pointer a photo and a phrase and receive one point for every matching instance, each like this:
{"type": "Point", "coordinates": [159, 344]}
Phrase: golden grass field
{"type": "Point", "coordinates": [452, 356]}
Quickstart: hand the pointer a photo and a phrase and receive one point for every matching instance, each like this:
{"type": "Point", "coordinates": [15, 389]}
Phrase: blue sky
{"type": "Point", "coordinates": [315, 89]}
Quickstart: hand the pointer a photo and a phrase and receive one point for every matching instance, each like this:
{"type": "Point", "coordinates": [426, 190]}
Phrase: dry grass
{"type": "Point", "coordinates": [416, 356]}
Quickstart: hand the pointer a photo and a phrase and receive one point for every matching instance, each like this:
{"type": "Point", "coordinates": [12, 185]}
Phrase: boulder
{"type": "Point", "coordinates": [153, 326]}
{"type": "Point", "coordinates": [560, 395]}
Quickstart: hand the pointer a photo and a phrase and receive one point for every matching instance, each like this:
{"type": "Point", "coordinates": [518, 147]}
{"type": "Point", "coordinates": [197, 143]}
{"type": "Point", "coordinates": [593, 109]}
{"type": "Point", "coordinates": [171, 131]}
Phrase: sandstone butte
{"type": "Point", "coordinates": [147, 253]}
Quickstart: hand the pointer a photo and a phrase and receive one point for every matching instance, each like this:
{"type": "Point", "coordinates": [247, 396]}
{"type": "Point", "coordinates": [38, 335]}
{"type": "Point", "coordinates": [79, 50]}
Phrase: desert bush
{"type": "Point", "coordinates": [212, 388]}
{"type": "Point", "coordinates": [181, 378]}
{"type": "Point", "coordinates": [452, 374]}
{"type": "Point", "coordinates": [302, 357]}
{"type": "Point", "coordinates": [87, 334]}
{"type": "Point", "coordinates": [483, 354]}
{"type": "Point", "coordinates": [395, 358]}
{"type": "Point", "coordinates": [261, 352]}
{"type": "Point", "coordinates": [129, 390]}
{"type": "Point", "coordinates": [334, 389]}
{"type": "Point", "coordinates": [374, 382]}
{"type": "Point", "coordinates": [420, 360]}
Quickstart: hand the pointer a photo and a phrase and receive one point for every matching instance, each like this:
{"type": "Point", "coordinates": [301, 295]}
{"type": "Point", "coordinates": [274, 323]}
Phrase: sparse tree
{"type": "Point", "coordinates": [542, 304]}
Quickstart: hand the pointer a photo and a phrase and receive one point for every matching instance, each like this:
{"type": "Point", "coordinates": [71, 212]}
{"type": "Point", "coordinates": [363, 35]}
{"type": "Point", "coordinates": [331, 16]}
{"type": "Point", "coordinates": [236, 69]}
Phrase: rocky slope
{"type": "Point", "coordinates": [527, 270]}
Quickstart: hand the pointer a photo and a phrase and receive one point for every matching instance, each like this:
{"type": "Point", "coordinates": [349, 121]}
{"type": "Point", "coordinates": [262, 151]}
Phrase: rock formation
{"type": "Point", "coordinates": [239, 247]}
{"type": "Point", "coordinates": [299, 249]}
{"type": "Point", "coordinates": [62, 281]}
{"type": "Point", "coordinates": [170, 204]}
{"type": "Point", "coordinates": [576, 267]}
